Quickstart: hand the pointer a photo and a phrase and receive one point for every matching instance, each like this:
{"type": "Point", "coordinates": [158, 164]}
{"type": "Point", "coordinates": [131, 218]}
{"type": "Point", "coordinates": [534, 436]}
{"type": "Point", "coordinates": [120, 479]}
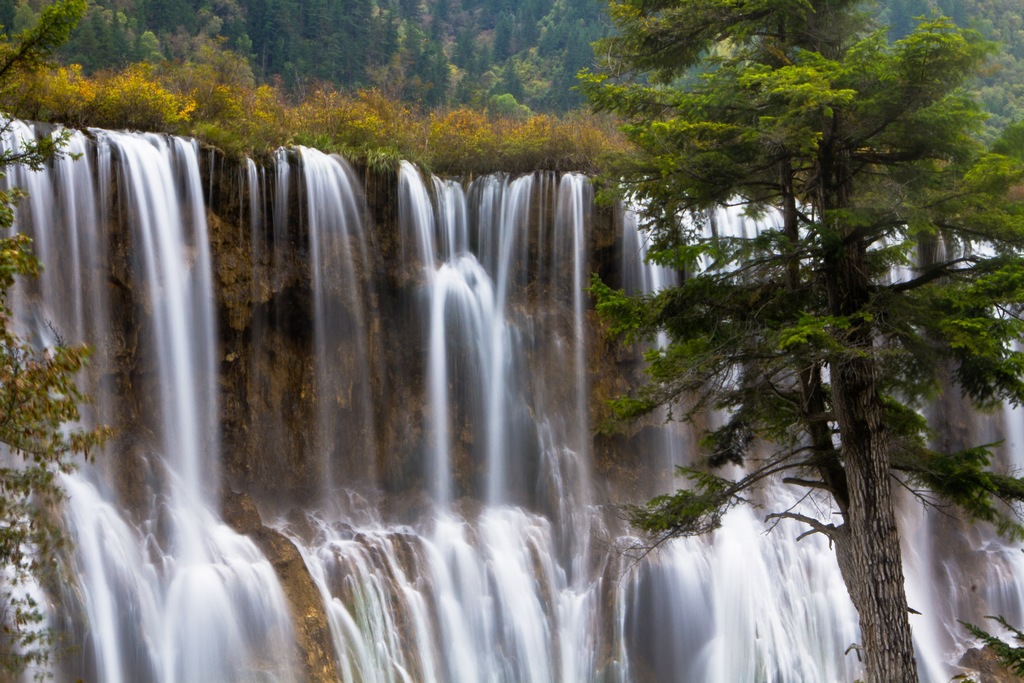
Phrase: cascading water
{"type": "Point", "coordinates": [171, 594]}
{"type": "Point", "coordinates": [340, 260]}
{"type": "Point", "coordinates": [474, 594]}
{"type": "Point", "coordinates": [461, 341]}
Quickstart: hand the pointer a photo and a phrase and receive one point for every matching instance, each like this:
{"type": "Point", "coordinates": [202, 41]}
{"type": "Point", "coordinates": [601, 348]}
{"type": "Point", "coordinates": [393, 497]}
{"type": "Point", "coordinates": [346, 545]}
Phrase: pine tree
{"type": "Point", "coordinates": [819, 362]}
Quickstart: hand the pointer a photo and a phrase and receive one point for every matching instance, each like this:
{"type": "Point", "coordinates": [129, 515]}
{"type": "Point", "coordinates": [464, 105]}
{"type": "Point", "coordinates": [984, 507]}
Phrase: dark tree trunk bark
{"type": "Point", "coordinates": [867, 544]}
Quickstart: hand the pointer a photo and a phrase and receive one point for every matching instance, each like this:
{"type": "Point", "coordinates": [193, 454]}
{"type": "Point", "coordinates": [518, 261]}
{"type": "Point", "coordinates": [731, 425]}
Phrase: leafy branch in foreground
{"type": "Point", "coordinates": [39, 398]}
{"type": "Point", "coordinates": [688, 512]}
{"type": "Point", "coordinates": [1011, 657]}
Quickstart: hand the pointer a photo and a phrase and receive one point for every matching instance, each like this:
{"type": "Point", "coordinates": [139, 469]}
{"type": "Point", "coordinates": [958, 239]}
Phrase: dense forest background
{"type": "Point", "coordinates": [439, 52]}
{"type": "Point", "coordinates": [454, 85]}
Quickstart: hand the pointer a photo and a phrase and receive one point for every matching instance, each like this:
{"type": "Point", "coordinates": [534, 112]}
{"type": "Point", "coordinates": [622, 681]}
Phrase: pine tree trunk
{"type": "Point", "coordinates": [868, 545]}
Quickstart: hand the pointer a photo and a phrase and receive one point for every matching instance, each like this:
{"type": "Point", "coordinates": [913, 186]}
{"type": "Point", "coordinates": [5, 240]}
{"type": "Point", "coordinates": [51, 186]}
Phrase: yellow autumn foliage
{"type": "Point", "coordinates": [214, 97]}
{"type": "Point", "coordinates": [462, 141]}
{"type": "Point", "coordinates": [358, 121]}
{"type": "Point", "coordinates": [64, 95]}
{"type": "Point", "coordinates": [134, 99]}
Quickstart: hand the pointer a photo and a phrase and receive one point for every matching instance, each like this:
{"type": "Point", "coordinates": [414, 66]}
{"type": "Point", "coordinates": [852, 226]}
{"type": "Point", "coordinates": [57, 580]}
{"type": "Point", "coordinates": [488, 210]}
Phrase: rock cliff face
{"type": "Point", "coordinates": [266, 312]}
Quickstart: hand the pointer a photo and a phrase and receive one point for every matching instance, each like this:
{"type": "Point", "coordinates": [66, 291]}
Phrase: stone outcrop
{"type": "Point", "coordinates": [313, 633]}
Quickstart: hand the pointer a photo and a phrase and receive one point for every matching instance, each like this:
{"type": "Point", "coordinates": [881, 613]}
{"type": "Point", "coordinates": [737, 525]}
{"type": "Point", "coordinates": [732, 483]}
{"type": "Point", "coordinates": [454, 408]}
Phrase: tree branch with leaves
{"type": "Point", "coordinates": [39, 399]}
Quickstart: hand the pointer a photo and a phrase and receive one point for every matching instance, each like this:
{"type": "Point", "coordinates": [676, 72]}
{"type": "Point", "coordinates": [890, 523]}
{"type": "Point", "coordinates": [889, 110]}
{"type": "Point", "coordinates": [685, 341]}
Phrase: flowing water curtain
{"type": "Point", "coordinates": [438, 283]}
{"type": "Point", "coordinates": [640, 276]}
{"type": "Point", "coordinates": [343, 295]}
{"type": "Point", "coordinates": [570, 247]}
{"type": "Point", "coordinates": [55, 198]}
{"type": "Point", "coordinates": [452, 218]}
{"type": "Point", "coordinates": [502, 226]}
{"type": "Point", "coordinates": [60, 307]}
{"type": "Point", "coordinates": [275, 260]}
{"type": "Point", "coordinates": [251, 213]}
{"type": "Point", "coordinates": [454, 598]}
{"type": "Point", "coordinates": [171, 595]}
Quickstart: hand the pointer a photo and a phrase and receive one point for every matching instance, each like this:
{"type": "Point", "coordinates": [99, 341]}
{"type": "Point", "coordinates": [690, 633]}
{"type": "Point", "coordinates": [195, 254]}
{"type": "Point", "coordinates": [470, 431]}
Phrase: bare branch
{"type": "Point", "coordinates": [816, 525]}
{"type": "Point", "coordinates": [808, 483]}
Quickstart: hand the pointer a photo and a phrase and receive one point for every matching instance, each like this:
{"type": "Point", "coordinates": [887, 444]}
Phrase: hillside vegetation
{"type": "Point", "coordinates": [1001, 88]}
{"type": "Point", "coordinates": [214, 96]}
{"type": "Point", "coordinates": [451, 52]}
{"type": "Point", "coordinates": [457, 85]}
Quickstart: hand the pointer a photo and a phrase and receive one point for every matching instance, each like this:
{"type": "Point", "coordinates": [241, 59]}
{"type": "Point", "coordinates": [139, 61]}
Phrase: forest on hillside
{"type": "Point", "coordinates": [454, 85]}
{"type": "Point", "coordinates": [440, 52]}
{"type": "Point", "coordinates": [1001, 88]}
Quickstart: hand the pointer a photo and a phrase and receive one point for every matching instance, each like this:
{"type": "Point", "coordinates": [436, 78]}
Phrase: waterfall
{"type": "Point", "coordinates": [502, 236]}
{"type": "Point", "coordinates": [639, 276]}
{"type": "Point", "coordinates": [170, 593]}
{"type": "Point", "coordinates": [406, 391]}
{"type": "Point", "coordinates": [339, 259]}
{"type": "Point", "coordinates": [464, 593]}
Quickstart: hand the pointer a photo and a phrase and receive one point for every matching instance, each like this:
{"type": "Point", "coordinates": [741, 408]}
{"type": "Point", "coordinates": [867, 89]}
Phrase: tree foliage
{"type": "Point", "coordinates": [819, 358]}
{"type": "Point", "coordinates": [38, 396]}
{"type": "Point", "coordinates": [440, 52]}
{"type": "Point", "coordinates": [1000, 86]}
{"type": "Point", "coordinates": [1010, 656]}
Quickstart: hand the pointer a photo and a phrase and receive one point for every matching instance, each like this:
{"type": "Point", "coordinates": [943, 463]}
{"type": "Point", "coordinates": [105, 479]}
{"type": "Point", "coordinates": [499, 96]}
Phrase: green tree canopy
{"type": "Point", "coordinates": [799, 335]}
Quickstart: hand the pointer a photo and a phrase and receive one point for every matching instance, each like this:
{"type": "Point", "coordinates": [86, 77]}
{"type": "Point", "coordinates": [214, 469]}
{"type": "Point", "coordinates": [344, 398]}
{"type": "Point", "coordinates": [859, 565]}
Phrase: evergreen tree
{"type": "Point", "coordinates": [902, 16]}
{"type": "Point", "coordinates": [383, 37]}
{"type": "Point", "coordinates": [435, 74]}
{"type": "Point", "coordinates": [24, 18]}
{"type": "Point", "coordinates": [147, 48]}
{"type": "Point", "coordinates": [817, 359]}
{"type": "Point", "coordinates": [510, 82]}
{"type": "Point", "coordinates": [7, 10]}
{"type": "Point", "coordinates": [956, 10]}
{"type": "Point", "coordinates": [170, 15]}
{"type": "Point", "coordinates": [439, 20]}
{"type": "Point", "coordinates": [465, 50]}
{"type": "Point", "coordinates": [503, 37]}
